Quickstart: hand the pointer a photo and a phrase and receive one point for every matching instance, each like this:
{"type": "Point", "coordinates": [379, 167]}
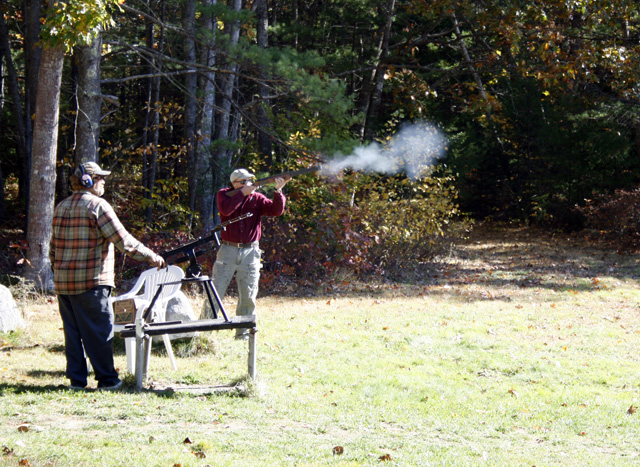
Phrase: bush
{"type": "Point", "coordinates": [616, 216]}
{"type": "Point", "coordinates": [366, 226]}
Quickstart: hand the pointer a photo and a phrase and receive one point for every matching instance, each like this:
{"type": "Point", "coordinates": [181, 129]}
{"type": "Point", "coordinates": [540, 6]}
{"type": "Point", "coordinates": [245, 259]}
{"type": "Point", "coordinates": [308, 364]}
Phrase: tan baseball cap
{"type": "Point", "coordinates": [94, 169]}
{"type": "Point", "coordinates": [240, 174]}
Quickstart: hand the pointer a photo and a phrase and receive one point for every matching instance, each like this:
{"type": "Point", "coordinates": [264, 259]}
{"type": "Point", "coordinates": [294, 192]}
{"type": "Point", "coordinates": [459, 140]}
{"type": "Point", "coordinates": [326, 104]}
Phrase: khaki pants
{"type": "Point", "coordinates": [245, 263]}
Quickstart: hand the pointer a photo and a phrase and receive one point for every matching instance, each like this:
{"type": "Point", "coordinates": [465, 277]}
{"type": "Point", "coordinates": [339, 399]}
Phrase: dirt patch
{"type": "Point", "coordinates": [540, 254]}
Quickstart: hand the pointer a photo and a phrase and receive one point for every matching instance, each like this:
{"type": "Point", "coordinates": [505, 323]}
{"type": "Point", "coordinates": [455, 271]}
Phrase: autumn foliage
{"type": "Point", "coordinates": [615, 217]}
{"type": "Point", "coordinates": [366, 226]}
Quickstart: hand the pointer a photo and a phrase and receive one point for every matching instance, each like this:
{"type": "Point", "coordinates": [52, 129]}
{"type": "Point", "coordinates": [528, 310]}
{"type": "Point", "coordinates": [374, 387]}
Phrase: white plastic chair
{"type": "Point", "coordinates": [148, 282]}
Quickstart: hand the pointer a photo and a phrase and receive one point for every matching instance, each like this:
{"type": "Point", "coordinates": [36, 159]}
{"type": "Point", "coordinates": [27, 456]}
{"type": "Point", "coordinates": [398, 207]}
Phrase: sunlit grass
{"type": "Point", "coordinates": [475, 367]}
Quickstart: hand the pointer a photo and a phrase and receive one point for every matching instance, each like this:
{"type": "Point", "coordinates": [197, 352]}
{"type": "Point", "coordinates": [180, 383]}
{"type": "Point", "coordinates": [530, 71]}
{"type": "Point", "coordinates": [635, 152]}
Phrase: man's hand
{"type": "Point", "coordinates": [159, 262]}
{"type": "Point", "coordinates": [248, 189]}
{"type": "Point", "coordinates": [281, 182]}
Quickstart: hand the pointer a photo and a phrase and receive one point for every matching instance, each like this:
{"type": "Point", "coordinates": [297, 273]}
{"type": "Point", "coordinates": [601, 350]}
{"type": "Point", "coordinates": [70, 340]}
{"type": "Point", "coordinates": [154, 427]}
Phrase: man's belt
{"type": "Point", "coordinates": [240, 245]}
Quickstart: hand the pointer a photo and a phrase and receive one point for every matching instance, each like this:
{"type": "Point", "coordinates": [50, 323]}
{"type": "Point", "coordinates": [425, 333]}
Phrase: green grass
{"type": "Point", "coordinates": [493, 362]}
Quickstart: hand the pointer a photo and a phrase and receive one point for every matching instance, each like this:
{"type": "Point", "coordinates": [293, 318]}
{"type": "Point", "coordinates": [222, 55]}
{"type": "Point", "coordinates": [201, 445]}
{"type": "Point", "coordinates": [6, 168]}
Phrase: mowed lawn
{"type": "Point", "coordinates": [520, 349]}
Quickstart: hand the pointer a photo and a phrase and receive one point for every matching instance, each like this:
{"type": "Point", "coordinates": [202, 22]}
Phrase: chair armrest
{"type": "Point", "coordinates": [124, 296]}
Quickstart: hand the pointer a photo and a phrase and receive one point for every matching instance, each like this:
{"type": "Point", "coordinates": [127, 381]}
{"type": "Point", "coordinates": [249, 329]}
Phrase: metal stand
{"type": "Point", "coordinates": [143, 333]}
{"type": "Point", "coordinates": [143, 329]}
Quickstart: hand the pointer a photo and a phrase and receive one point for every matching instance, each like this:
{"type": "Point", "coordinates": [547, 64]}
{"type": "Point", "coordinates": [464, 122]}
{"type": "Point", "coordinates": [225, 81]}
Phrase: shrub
{"type": "Point", "coordinates": [411, 222]}
{"type": "Point", "coordinates": [388, 227]}
{"type": "Point", "coordinates": [616, 216]}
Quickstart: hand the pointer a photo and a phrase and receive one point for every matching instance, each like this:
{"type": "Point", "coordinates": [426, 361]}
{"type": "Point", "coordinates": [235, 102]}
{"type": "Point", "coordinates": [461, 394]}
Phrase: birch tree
{"type": "Point", "coordinates": [205, 194]}
{"type": "Point", "coordinates": [66, 25]}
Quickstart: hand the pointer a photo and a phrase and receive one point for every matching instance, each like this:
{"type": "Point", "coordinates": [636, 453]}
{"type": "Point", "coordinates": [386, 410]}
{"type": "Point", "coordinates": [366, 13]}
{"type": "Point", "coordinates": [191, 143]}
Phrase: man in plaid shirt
{"type": "Point", "coordinates": [85, 231]}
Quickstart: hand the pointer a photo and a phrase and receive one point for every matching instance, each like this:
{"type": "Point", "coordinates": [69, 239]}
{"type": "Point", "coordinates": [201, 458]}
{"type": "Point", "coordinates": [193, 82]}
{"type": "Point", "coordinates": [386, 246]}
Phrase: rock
{"type": "Point", "coordinates": [179, 309]}
{"type": "Point", "coordinates": [10, 316]}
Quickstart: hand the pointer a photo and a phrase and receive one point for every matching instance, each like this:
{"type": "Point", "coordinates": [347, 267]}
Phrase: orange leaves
{"type": "Point", "coordinates": [196, 452]}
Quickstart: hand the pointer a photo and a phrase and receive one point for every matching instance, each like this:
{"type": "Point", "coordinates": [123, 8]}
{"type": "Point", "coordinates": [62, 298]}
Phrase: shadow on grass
{"type": "Point", "coordinates": [241, 387]}
{"type": "Point", "coordinates": [497, 260]}
{"type": "Point", "coordinates": [230, 390]}
{"type": "Point", "coordinates": [8, 389]}
{"type": "Point", "coordinates": [46, 373]}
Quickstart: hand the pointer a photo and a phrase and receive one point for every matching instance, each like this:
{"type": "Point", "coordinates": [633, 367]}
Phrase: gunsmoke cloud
{"type": "Point", "coordinates": [413, 149]}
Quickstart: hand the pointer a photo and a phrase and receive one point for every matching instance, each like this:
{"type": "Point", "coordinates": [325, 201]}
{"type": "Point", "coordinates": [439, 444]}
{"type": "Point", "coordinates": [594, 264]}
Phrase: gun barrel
{"type": "Point", "coordinates": [189, 248]}
{"type": "Point", "coordinates": [272, 178]}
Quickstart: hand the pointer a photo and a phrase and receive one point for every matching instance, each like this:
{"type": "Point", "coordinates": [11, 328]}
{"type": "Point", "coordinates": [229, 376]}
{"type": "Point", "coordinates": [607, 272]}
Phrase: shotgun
{"type": "Point", "coordinates": [272, 179]}
{"type": "Point", "coordinates": [188, 250]}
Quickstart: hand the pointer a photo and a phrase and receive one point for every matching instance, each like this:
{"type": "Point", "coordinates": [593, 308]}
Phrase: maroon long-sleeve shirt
{"type": "Point", "coordinates": [250, 229]}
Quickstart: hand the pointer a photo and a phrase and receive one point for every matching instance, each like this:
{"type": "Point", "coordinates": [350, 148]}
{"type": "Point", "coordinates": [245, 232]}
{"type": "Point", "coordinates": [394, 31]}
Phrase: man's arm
{"type": "Point", "coordinates": [228, 206]}
{"type": "Point", "coordinates": [114, 232]}
{"type": "Point", "coordinates": [275, 207]}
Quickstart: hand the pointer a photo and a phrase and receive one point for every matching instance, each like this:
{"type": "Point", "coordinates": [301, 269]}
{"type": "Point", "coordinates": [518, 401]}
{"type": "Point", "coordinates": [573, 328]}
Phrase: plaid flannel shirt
{"type": "Point", "coordinates": [85, 230]}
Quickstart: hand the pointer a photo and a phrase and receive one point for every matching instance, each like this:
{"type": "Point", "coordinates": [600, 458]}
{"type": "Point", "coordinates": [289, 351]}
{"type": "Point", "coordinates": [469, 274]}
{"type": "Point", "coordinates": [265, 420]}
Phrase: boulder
{"type": "Point", "coordinates": [179, 309]}
{"type": "Point", "coordinates": [10, 316]}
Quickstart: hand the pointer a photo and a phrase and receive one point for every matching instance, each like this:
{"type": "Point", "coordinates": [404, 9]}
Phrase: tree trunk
{"type": "Point", "coordinates": [378, 74]}
{"type": "Point", "coordinates": [190, 102]}
{"type": "Point", "coordinates": [43, 176]}
{"type": "Point", "coordinates": [265, 146]}
{"type": "Point", "coordinates": [14, 91]}
{"type": "Point", "coordinates": [151, 155]}
{"type": "Point", "coordinates": [205, 194]}
{"type": "Point", "coordinates": [223, 134]}
{"type": "Point", "coordinates": [33, 52]}
{"type": "Point", "coordinates": [89, 101]}
{"type": "Point", "coordinates": [2, 211]}
{"type": "Point", "coordinates": [478, 80]}
{"type": "Point", "coordinates": [637, 124]}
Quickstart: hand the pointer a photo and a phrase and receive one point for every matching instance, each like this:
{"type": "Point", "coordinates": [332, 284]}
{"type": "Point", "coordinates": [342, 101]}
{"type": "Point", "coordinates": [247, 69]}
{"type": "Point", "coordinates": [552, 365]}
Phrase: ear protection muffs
{"type": "Point", "coordinates": [85, 179]}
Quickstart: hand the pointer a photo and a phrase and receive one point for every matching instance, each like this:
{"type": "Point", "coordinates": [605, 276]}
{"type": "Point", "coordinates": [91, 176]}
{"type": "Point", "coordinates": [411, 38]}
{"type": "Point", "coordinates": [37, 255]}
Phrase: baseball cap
{"type": "Point", "coordinates": [240, 174]}
{"type": "Point", "coordinates": [94, 169]}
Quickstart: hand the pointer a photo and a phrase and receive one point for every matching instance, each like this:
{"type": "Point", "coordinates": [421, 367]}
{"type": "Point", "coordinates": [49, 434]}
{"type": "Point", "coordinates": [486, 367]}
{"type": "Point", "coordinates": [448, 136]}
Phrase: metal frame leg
{"type": "Point", "coordinates": [252, 353]}
{"type": "Point", "coordinates": [147, 356]}
{"type": "Point", "coordinates": [167, 345]}
{"type": "Point", "coordinates": [140, 338]}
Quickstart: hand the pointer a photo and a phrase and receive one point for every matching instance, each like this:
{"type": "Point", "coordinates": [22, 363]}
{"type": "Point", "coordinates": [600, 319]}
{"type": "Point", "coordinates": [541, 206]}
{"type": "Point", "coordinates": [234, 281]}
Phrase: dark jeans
{"type": "Point", "coordinates": [88, 328]}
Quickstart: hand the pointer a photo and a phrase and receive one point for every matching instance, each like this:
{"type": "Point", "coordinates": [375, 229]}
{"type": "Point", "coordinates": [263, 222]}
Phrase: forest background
{"type": "Point", "coordinates": [518, 110]}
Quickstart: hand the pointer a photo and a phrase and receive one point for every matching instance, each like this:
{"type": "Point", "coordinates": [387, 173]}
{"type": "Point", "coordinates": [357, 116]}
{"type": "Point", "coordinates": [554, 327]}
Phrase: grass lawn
{"type": "Point", "coordinates": [521, 349]}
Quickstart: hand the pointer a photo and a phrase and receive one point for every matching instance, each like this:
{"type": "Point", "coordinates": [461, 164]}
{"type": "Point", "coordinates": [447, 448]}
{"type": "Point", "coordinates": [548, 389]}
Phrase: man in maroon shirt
{"type": "Point", "coordinates": [239, 253]}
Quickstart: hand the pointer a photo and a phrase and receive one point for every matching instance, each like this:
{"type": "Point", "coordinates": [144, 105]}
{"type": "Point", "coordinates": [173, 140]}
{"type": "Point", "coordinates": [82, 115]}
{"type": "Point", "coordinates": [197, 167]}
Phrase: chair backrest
{"type": "Point", "coordinates": [151, 278]}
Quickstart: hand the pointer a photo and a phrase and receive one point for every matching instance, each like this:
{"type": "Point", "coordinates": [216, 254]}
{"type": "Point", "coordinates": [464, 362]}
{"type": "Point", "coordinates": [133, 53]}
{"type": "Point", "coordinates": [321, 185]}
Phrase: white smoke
{"type": "Point", "coordinates": [412, 150]}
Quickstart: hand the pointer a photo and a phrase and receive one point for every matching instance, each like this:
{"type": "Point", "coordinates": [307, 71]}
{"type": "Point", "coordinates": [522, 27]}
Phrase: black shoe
{"type": "Point", "coordinates": [77, 386]}
{"type": "Point", "coordinates": [115, 387]}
